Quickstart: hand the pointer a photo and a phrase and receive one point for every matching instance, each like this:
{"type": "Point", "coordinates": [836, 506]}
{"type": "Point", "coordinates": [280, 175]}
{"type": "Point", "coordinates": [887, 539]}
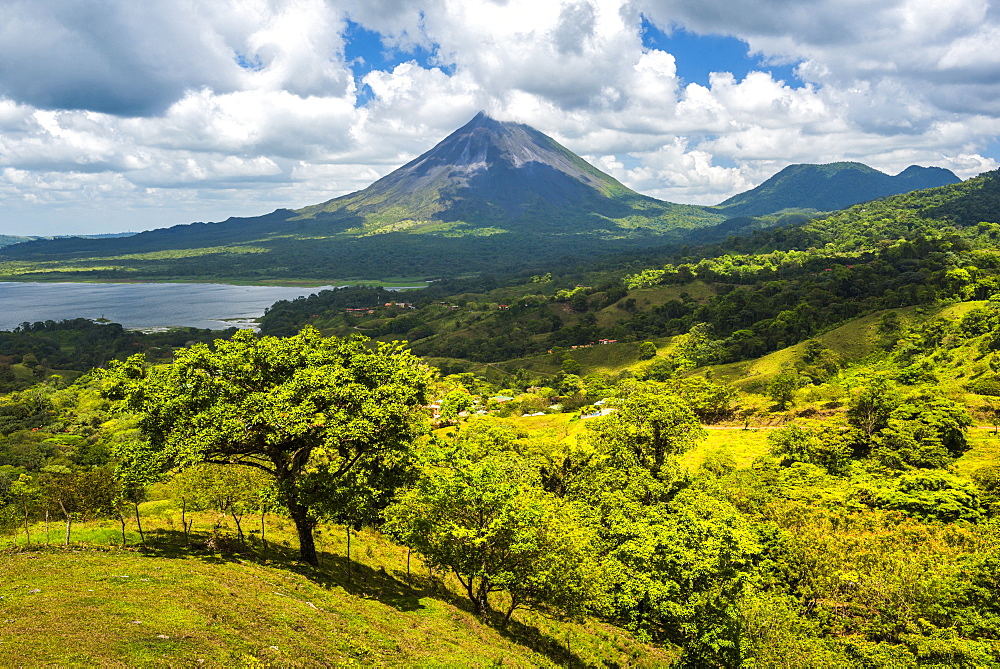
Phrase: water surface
{"type": "Point", "coordinates": [142, 305]}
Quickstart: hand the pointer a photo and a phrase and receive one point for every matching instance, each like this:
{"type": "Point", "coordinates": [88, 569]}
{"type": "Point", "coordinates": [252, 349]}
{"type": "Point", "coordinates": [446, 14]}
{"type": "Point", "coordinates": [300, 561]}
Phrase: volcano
{"type": "Point", "coordinates": [493, 173]}
{"type": "Point", "coordinates": [491, 197]}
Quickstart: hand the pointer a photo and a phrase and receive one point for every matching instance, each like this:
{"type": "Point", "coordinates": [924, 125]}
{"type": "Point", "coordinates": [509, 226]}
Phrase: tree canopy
{"type": "Point", "coordinates": [309, 410]}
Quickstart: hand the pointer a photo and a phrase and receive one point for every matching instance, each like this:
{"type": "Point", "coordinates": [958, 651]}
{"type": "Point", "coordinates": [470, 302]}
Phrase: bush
{"type": "Point", "coordinates": [931, 495]}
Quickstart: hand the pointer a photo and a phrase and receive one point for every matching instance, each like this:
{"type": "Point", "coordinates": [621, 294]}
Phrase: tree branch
{"type": "Point", "coordinates": [245, 463]}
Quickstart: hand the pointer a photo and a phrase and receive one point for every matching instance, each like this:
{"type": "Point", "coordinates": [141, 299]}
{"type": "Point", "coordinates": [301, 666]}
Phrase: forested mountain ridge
{"type": "Point", "coordinates": [831, 187]}
{"type": "Point", "coordinates": [758, 293]}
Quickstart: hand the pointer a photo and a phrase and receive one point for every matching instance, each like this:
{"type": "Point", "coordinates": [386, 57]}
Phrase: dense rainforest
{"type": "Point", "coordinates": [784, 452]}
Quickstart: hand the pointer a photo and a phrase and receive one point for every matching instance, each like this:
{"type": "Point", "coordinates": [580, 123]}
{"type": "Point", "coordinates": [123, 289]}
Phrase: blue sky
{"type": "Point", "coordinates": [699, 55]}
{"type": "Point", "coordinates": [126, 116]}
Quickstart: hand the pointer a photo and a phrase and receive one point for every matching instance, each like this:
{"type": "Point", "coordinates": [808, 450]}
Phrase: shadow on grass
{"type": "Point", "coordinates": [523, 634]}
{"type": "Point", "coordinates": [393, 588]}
{"type": "Point", "coordinates": [557, 651]}
{"type": "Point", "coordinates": [355, 578]}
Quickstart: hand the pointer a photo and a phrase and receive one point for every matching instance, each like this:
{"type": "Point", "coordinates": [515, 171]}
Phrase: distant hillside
{"type": "Point", "coordinates": [831, 187]}
{"type": "Point", "coordinates": [10, 240]}
{"type": "Point", "coordinates": [758, 293]}
{"type": "Point", "coordinates": [491, 197]}
{"type": "Point", "coordinates": [7, 240]}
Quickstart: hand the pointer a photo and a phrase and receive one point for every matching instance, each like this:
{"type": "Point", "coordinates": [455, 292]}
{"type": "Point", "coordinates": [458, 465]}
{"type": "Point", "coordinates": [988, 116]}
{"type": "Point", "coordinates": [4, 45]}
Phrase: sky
{"type": "Point", "coordinates": [125, 116]}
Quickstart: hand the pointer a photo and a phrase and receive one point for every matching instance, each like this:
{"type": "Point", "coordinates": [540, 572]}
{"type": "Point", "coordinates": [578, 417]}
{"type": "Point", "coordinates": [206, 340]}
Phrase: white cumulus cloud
{"type": "Point", "coordinates": [127, 115]}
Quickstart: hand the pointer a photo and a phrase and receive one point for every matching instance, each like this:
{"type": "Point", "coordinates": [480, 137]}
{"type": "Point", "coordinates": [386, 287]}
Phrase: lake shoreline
{"type": "Point", "coordinates": [150, 305]}
{"type": "Point", "coordinates": [405, 284]}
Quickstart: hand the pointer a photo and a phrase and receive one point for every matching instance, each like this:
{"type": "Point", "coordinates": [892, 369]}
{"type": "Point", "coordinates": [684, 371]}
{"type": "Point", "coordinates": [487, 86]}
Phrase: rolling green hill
{"type": "Point", "coordinates": [165, 604]}
{"type": "Point", "coordinates": [9, 240]}
{"type": "Point", "coordinates": [831, 187]}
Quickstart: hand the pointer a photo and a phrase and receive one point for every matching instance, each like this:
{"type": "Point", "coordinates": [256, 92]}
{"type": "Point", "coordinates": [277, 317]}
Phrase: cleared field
{"type": "Point", "coordinates": [985, 452]}
{"type": "Point", "coordinates": [740, 445]}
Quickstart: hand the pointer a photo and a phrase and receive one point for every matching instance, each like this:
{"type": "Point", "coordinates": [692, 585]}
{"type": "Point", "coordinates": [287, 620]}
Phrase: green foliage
{"type": "Point", "coordinates": [308, 410]}
{"type": "Point", "coordinates": [987, 480]}
{"type": "Point", "coordinates": [782, 388]}
{"type": "Point", "coordinates": [454, 403]}
{"type": "Point", "coordinates": [644, 279]}
{"type": "Point", "coordinates": [711, 402]}
{"type": "Point", "coordinates": [679, 571]}
{"type": "Point", "coordinates": [664, 368]}
{"type": "Point", "coordinates": [76, 345]}
{"type": "Point", "coordinates": [871, 405]}
{"type": "Point", "coordinates": [570, 366]}
{"type": "Point", "coordinates": [819, 363]}
{"type": "Point", "coordinates": [827, 447]}
{"type": "Point", "coordinates": [237, 491]}
{"type": "Point", "coordinates": [929, 495]}
{"type": "Point", "coordinates": [647, 350]}
{"type": "Point", "coordinates": [646, 430]}
{"type": "Point", "coordinates": [697, 347]}
{"type": "Point", "coordinates": [480, 512]}
{"type": "Point", "coordinates": [927, 431]}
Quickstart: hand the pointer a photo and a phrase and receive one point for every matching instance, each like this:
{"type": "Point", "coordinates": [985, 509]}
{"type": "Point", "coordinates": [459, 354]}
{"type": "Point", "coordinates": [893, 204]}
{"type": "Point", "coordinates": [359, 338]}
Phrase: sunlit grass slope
{"type": "Point", "coordinates": [97, 604]}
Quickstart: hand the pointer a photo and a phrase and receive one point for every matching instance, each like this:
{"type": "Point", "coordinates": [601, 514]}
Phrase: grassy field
{"type": "Point", "coordinates": [984, 452]}
{"type": "Point", "coordinates": [218, 603]}
{"type": "Point", "coordinates": [743, 446]}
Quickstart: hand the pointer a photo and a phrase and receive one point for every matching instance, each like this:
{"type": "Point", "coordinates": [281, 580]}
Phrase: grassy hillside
{"type": "Point", "coordinates": [97, 604]}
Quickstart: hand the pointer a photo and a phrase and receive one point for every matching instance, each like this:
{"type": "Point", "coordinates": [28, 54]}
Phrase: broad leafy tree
{"type": "Point", "coordinates": [308, 410]}
{"type": "Point", "coordinates": [646, 430]}
{"type": "Point", "coordinates": [487, 519]}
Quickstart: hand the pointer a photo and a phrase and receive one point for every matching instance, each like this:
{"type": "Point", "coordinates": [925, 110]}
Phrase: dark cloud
{"type": "Point", "coordinates": [118, 57]}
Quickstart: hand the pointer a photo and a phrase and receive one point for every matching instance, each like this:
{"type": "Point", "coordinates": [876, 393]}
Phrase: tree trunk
{"type": "Point", "coordinates": [239, 527]}
{"type": "Point", "coordinates": [513, 605]}
{"type": "Point", "coordinates": [121, 519]}
{"type": "Point", "coordinates": [27, 533]}
{"type": "Point", "coordinates": [138, 522]}
{"type": "Point", "coordinates": [263, 541]}
{"type": "Point", "coordinates": [184, 525]}
{"type": "Point", "coordinates": [477, 596]}
{"type": "Point", "coordinates": [304, 528]}
{"type": "Point", "coordinates": [69, 520]}
{"type": "Point", "coordinates": [408, 552]}
{"type": "Point", "coordinates": [46, 527]}
{"type": "Point", "coordinates": [350, 571]}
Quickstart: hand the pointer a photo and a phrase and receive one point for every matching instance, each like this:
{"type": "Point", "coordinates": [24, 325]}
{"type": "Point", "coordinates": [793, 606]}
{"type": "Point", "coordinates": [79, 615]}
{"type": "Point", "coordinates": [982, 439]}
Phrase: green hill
{"type": "Point", "coordinates": [8, 240]}
{"type": "Point", "coordinates": [831, 187]}
{"type": "Point", "coordinates": [96, 604]}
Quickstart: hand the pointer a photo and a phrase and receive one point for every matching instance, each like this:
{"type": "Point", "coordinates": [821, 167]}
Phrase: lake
{"type": "Point", "coordinates": [142, 305]}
